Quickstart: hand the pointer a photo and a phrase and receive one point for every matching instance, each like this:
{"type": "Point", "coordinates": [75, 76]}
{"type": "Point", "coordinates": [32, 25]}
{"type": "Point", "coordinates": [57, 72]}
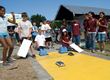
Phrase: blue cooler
{"type": "Point", "coordinates": [63, 50]}
{"type": "Point", "coordinates": [43, 52]}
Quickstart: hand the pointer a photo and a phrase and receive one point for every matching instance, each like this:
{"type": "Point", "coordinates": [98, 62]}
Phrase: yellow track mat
{"type": "Point", "coordinates": [77, 67]}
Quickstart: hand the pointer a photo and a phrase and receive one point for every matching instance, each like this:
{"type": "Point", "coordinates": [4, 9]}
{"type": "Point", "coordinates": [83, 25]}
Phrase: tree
{"type": "Point", "coordinates": [37, 18]}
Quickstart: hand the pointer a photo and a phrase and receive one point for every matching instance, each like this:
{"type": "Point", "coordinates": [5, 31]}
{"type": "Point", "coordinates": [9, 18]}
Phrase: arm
{"type": "Point", "coordinates": [13, 18]}
{"type": "Point", "coordinates": [66, 42]}
{"type": "Point", "coordinates": [30, 30]}
{"type": "Point", "coordinates": [19, 31]}
{"type": "Point", "coordinates": [84, 28]}
{"type": "Point", "coordinates": [37, 44]}
{"type": "Point", "coordinates": [44, 43]}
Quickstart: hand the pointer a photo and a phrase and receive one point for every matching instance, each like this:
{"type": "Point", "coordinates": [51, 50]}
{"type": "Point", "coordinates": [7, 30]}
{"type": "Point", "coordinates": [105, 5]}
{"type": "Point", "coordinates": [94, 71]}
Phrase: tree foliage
{"type": "Point", "coordinates": [37, 18]}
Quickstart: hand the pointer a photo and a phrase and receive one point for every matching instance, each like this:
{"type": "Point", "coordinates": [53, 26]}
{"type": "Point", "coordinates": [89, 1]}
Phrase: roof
{"type": "Point", "coordinates": [83, 10]}
{"type": "Point", "coordinates": [67, 11]}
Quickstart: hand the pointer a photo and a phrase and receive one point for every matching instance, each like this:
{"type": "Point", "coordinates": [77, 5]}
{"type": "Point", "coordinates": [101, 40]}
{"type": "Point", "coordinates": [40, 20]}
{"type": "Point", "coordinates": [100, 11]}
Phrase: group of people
{"type": "Point", "coordinates": [92, 28]}
{"type": "Point", "coordinates": [42, 35]}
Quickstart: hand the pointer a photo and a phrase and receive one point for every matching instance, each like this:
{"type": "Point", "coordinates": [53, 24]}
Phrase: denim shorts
{"type": "Point", "coordinates": [4, 36]}
{"type": "Point", "coordinates": [101, 37]}
{"type": "Point", "coordinates": [76, 39]}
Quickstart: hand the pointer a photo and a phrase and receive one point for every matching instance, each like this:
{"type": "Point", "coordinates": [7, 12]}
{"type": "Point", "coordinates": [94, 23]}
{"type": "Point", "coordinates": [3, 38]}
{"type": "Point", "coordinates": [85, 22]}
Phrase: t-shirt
{"type": "Point", "coordinates": [85, 24]}
{"type": "Point", "coordinates": [25, 27]}
{"type": "Point", "coordinates": [102, 22]}
{"type": "Point", "coordinates": [40, 39]}
{"type": "Point", "coordinates": [3, 24]}
{"type": "Point", "coordinates": [75, 28]}
{"type": "Point", "coordinates": [16, 29]}
{"type": "Point", "coordinates": [45, 27]}
{"type": "Point", "coordinates": [92, 25]}
{"type": "Point", "coordinates": [66, 39]}
{"type": "Point", "coordinates": [33, 28]}
{"type": "Point", "coordinates": [69, 28]}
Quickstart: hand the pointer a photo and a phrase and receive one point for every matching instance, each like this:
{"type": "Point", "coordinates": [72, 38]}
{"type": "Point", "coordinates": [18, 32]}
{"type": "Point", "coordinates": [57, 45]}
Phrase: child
{"type": "Point", "coordinates": [40, 40]}
{"type": "Point", "coordinates": [87, 44]}
{"type": "Point", "coordinates": [102, 31]}
{"type": "Point", "coordinates": [65, 38]}
{"type": "Point", "coordinates": [91, 30]}
{"type": "Point", "coordinates": [16, 33]}
{"type": "Point", "coordinates": [75, 31]}
{"type": "Point", "coordinates": [25, 28]}
{"type": "Point", "coordinates": [47, 35]}
{"type": "Point", "coordinates": [34, 32]}
{"type": "Point", "coordinates": [4, 36]}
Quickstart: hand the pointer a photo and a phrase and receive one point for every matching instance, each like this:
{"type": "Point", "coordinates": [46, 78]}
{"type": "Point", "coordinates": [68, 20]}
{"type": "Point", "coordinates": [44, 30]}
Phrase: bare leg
{"type": "Point", "coordinates": [46, 43]}
{"type": "Point", "coordinates": [50, 43]}
{"type": "Point", "coordinates": [103, 45]}
{"type": "Point", "coordinates": [32, 50]}
{"type": "Point", "coordinates": [9, 42]}
{"type": "Point", "coordinates": [100, 45]}
{"type": "Point", "coordinates": [5, 48]}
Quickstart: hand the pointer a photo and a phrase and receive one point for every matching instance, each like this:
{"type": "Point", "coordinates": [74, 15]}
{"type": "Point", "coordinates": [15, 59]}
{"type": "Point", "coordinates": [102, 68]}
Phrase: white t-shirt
{"type": "Point", "coordinates": [45, 27]}
{"type": "Point", "coordinates": [3, 24]}
{"type": "Point", "coordinates": [25, 27]}
{"type": "Point", "coordinates": [40, 39]}
{"type": "Point", "coordinates": [16, 29]}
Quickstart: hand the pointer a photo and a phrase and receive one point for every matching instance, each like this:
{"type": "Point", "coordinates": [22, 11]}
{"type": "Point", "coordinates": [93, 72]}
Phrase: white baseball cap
{"type": "Point", "coordinates": [64, 30]}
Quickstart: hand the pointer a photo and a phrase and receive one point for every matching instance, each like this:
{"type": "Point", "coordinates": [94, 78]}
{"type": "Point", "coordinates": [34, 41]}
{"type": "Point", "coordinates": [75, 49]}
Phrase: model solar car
{"type": "Point", "coordinates": [60, 64]}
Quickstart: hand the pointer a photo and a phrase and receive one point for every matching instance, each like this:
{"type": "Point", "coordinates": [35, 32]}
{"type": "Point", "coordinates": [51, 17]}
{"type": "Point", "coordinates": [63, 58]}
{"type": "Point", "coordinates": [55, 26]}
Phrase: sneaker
{"type": "Point", "coordinates": [93, 51]}
{"type": "Point", "coordinates": [103, 51]}
{"type": "Point", "coordinates": [47, 47]}
{"type": "Point", "coordinates": [33, 56]}
{"type": "Point", "coordinates": [99, 50]}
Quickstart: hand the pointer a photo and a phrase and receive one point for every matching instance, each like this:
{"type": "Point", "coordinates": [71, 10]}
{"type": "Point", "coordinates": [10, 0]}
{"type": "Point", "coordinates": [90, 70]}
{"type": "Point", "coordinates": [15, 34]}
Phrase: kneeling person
{"type": "Point", "coordinates": [65, 38]}
{"type": "Point", "coordinates": [40, 40]}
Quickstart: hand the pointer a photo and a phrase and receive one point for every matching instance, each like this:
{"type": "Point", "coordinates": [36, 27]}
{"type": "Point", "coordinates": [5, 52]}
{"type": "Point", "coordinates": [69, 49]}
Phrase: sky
{"type": "Point", "coordinates": [48, 8]}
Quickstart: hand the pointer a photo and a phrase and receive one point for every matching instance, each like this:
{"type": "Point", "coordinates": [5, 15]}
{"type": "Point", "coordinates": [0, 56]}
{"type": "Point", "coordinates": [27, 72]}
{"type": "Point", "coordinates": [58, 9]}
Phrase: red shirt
{"type": "Point", "coordinates": [75, 28]}
{"type": "Point", "coordinates": [66, 39]}
{"type": "Point", "coordinates": [92, 25]}
{"type": "Point", "coordinates": [85, 24]}
{"type": "Point", "coordinates": [102, 22]}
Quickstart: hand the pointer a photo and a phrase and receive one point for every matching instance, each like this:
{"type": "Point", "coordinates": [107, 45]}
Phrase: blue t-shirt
{"type": "Point", "coordinates": [34, 33]}
{"type": "Point", "coordinates": [69, 28]}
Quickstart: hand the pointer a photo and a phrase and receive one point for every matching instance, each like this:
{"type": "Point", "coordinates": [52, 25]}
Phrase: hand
{"type": "Point", "coordinates": [28, 36]}
{"type": "Point", "coordinates": [20, 37]}
{"type": "Point", "coordinates": [37, 46]}
{"type": "Point", "coordinates": [69, 43]}
{"type": "Point", "coordinates": [99, 24]}
{"type": "Point", "coordinates": [12, 13]}
{"type": "Point", "coordinates": [44, 45]}
{"type": "Point", "coordinates": [100, 19]}
{"type": "Point", "coordinates": [84, 30]}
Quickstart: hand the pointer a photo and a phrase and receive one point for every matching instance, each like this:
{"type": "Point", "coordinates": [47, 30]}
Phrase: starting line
{"type": "Point", "coordinates": [77, 67]}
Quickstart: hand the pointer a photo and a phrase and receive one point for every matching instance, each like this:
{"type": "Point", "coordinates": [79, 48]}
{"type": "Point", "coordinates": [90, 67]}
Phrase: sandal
{"type": "Point", "coordinates": [11, 61]}
{"type": "Point", "coordinates": [6, 64]}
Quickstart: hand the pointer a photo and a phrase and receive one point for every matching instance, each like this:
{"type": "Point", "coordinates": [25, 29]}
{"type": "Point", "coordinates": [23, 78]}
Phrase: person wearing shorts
{"type": "Point", "coordinates": [76, 32]}
{"type": "Point", "coordinates": [45, 27]}
{"type": "Point", "coordinates": [5, 39]}
{"type": "Point", "coordinates": [25, 28]}
{"type": "Point", "coordinates": [102, 31]}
